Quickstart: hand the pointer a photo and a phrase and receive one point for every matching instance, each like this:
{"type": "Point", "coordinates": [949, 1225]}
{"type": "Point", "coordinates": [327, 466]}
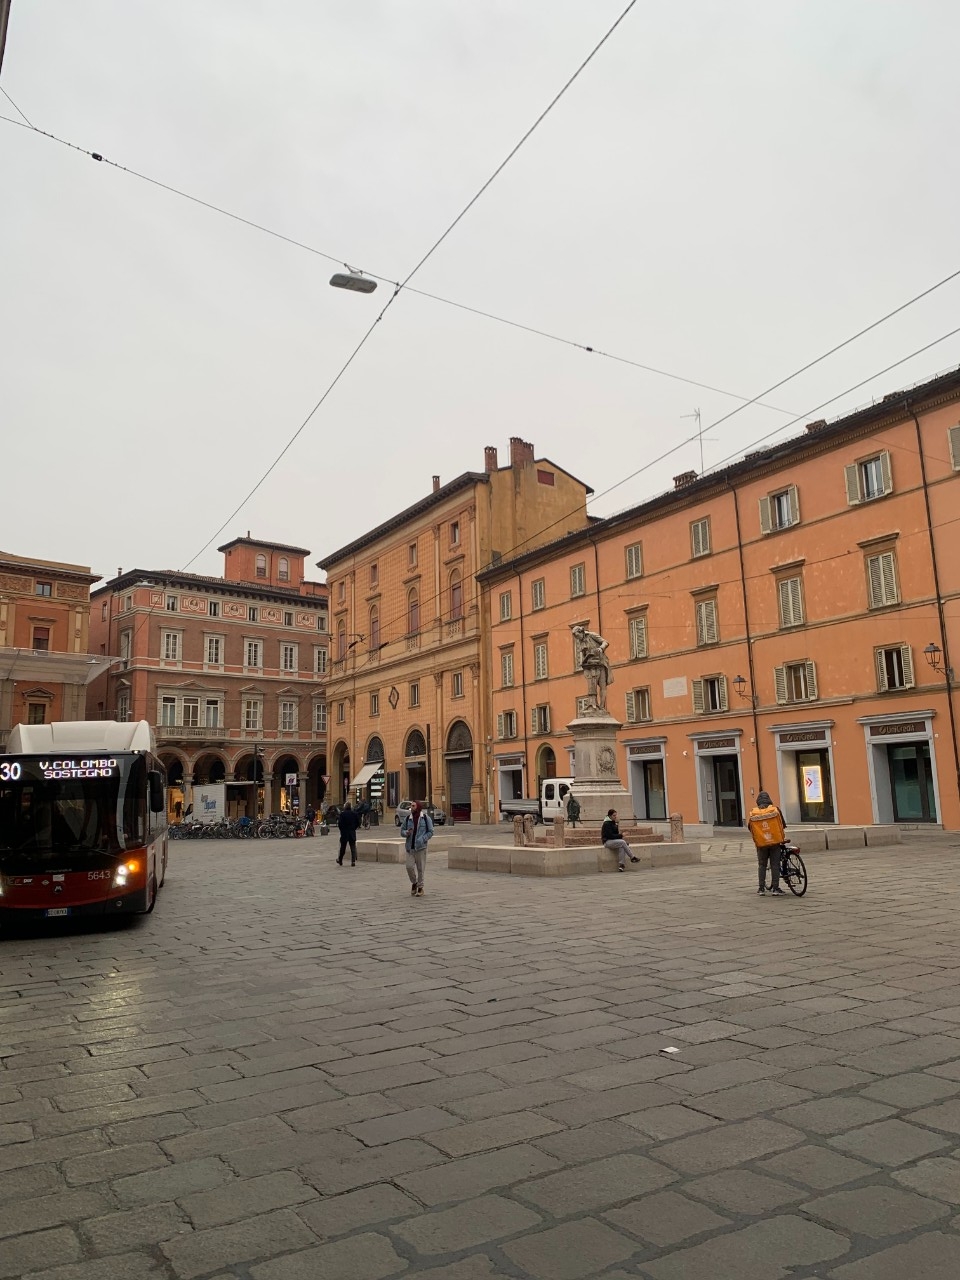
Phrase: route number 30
{"type": "Point", "coordinates": [10, 772]}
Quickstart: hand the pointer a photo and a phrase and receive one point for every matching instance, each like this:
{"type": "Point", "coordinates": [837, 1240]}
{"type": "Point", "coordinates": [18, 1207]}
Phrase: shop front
{"type": "Point", "coordinates": [647, 781]}
{"type": "Point", "coordinates": [719, 778]}
{"type": "Point", "coordinates": [805, 775]}
{"type": "Point", "coordinates": [902, 766]}
{"type": "Point", "coordinates": [509, 779]}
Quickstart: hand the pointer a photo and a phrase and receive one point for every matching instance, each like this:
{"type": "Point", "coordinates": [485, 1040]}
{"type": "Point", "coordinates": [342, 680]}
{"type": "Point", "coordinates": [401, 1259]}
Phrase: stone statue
{"type": "Point", "coordinates": [596, 665]}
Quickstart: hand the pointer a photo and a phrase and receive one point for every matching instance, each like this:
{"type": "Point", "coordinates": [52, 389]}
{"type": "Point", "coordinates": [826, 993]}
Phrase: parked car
{"type": "Point", "coordinates": [404, 807]}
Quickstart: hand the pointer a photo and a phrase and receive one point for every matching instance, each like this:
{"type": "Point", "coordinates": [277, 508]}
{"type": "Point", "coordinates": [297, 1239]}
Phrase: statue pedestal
{"type": "Point", "coordinates": [597, 784]}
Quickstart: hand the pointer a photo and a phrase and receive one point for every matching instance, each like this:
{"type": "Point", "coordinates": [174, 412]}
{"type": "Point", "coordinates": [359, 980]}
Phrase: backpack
{"type": "Point", "coordinates": [766, 826]}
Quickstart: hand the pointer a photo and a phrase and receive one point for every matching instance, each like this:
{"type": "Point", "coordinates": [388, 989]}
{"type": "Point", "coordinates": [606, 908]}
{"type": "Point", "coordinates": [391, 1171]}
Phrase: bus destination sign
{"type": "Point", "coordinates": [14, 769]}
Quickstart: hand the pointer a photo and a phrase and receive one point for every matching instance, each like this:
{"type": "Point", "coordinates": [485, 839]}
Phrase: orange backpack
{"type": "Point", "coordinates": [766, 826]}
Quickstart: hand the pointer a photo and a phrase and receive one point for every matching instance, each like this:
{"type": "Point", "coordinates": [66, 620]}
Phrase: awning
{"type": "Point", "coordinates": [366, 773]}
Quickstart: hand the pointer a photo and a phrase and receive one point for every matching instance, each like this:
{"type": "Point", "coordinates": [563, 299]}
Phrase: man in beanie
{"type": "Point", "coordinates": [767, 828]}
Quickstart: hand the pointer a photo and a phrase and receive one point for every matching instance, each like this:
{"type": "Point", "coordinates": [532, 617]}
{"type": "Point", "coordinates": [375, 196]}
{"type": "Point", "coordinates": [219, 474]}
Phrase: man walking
{"type": "Point", "coordinates": [347, 824]}
{"type": "Point", "coordinates": [418, 830]}
{"type": "Point", "coordinates": [766, 825]}
{"type": "Point", "coordinates": [614, 841]}
{"type": "Point", "coordinates": [573, 809]}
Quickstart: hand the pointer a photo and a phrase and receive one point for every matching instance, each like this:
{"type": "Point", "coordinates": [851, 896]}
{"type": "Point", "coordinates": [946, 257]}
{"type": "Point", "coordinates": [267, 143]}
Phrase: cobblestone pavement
{"type": "Point", "coordinates": [293, 1071]}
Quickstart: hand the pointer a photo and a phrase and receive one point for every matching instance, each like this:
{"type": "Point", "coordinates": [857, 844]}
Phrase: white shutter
{"type": "Point", "coordinates": [535, 720]}
{"type": "Point", "coordinates": [953, 437]}
{"type": "Point", "coordinates": [888, 572]}
{"type": "Point", "coordinates": [631, 707]}
{"type": "Point", "coordinates": [811, 673]}
{"type": "Point", "coordinates": [766, 522]}
{"type": "Point", "coordinates": [780, 684]}
{"type": "Point", "coordinates": [794, 498]}
{"type": "Point", "coordinates": [796, 601]}
{"type": "Point", "coordinates": [546, 719]}
{"type": "Point", "coordinates": [638, 637]}
{"type": "Point", "coordinates": [852, 478]}
{"type": "Point", "coordinates": [874, 581]}
{"type": "Point", "coordinates": [722, 691]}
{"type": "Point", "coordinates": [707, 630]}
{"type": "Point", "coordinates": [886, 471]}
{"type": "Point", "coordinates": [906, 657]}
{"type": "Point", "coordinates": [879, 657]}
{"type": "Point", "coordinates": [698, 696]}
{"type": "Point", "coordinates": [500, 726]}
{"type": "Point", "coordinates": [783, 595]}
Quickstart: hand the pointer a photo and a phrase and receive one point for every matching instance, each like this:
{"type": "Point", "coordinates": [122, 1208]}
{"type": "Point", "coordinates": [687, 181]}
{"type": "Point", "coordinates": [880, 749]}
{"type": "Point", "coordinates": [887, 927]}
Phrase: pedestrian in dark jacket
{"type": "Point", "coordinates": [348, 823]}
{"type": "Point", "coordinates": [614, 841]}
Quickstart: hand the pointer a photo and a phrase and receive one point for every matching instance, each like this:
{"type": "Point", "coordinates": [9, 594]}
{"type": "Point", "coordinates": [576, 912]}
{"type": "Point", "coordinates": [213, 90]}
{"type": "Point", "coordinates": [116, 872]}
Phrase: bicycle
{"type": "Point", "coordinates": [792, 870]}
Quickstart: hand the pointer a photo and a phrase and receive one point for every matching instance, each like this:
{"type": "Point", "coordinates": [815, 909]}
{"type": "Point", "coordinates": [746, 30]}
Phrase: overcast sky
{"type": "Point", "coordinates": [726, 192]}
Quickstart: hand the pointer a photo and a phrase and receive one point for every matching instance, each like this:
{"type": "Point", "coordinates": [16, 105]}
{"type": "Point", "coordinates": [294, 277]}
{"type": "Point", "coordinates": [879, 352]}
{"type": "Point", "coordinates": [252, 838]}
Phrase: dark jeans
{"type": "Point", "coordinates": [771, 854]}
{"type": "Point", "coordinates": [350, 840]}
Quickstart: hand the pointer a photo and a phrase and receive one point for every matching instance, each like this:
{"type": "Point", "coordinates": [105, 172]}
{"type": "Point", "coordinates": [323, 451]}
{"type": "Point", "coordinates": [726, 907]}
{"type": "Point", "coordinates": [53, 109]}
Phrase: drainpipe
{"type": "Point", "coordinates": [523, 687]}
{"type": "Point", "coordinates": [749, 639]}
{"type": "Point", "coordinates": [936, 586]}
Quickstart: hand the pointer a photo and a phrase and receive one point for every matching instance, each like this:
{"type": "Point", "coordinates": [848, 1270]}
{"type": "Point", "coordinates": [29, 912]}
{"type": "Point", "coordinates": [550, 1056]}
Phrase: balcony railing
{"type": "Point", "coordinates": [168, 731]}
{"type": "Point", "coordinates": [413, 642]}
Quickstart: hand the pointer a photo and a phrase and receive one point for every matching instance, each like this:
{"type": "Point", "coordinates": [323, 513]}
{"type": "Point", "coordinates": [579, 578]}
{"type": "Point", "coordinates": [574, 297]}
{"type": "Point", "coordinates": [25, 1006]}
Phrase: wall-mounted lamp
{"type": "Point", "coordinates": [934, 656]}
{"type": "Point", "coordinates": [740, 688]}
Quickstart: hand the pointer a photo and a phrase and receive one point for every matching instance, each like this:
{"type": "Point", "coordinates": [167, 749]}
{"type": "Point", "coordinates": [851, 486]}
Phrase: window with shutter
{"type": "Point", "coordinates": [638, 637]}
{"type": "Point", "coordinates": [540, 670]}
{"type": "Point", "coordinates": [700, 537]}
{"type": "Point", "coordinates": [894, 668]}
{"type": "Point", "coordinates": [708, 631]}
{"type": "Point", "coordinates": [631, 702]}
{"type": "Point", "coordinates": [634, 561]}
{"type": "Point", "coordinates": [577, 580]}
{"type": "Point", "coordinates": [790, 600]}
{"type": "Point", "coordinates": [500, 725]}
{"type": "Point", "coordinates": [506, 670]}
{"type": "Point", "coordinates": [882, 580]}
{"type": "Point", "coordinates": [506, 606]}
{"type": "Point", "coordinates": [851, 478]}
{"type": "Point", "coordinates": [953, 438]}
{"type": "Point", "coordinates": [811, 674]}
{"type": "Point", "coordinates": [780, 683]}
{"type": "Point", "coordinates": [698, 696]}
{"type": "Point", "coordinates": [538, 594]}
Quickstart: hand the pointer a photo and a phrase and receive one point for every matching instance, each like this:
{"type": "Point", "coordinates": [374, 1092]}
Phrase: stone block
{"type": "Point", "coordinates": [809, 841]}
{"type": "Point", "coordinates": [529, 862]}
{"type": "Point", "coordinates": [390, 851]}
{"type": "Point", "coordinates": [497, 860]}
{"type": "Point", "coordinates": [572, 862]}
{"type": "Point", "coordinates": [570, 1251]}
{"type": "Point", "coordinates": [846, 838]}
{"type": "Point", "coordinates": [475, 1222]}
{"type": "Point", "coordinates": [674, 855]}
{"type": "Point", "coordinates": [463, 859]}
{"type": "Point", "coordinates": [883, 835]}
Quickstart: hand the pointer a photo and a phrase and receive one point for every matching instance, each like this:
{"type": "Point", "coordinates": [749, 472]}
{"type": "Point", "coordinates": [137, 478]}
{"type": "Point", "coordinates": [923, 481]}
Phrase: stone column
{"type": "Point", "coordinates": [676, 828]}
{"type": "Point", "coordinates": [528, 833]}
{"type": "Point", "coordinates": [558, 835]}
{"type": "Point", "coordinates": [518, 830]}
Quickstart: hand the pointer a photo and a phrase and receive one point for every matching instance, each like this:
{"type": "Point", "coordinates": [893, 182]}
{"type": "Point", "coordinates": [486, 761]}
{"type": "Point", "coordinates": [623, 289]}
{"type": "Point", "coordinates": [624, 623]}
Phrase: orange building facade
{"type": "Point", "coordinates": [44, 624]}
{"type": "Point", "coordinates": [409, 685]}
{"type": "Point", "coordinates": [786, 623]}
{"type": "Point", "coordinates": [229, 670]}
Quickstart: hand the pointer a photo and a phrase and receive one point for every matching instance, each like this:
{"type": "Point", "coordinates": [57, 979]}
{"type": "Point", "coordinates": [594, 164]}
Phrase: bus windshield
{"type": "Point", "coordinates": [77, 814]}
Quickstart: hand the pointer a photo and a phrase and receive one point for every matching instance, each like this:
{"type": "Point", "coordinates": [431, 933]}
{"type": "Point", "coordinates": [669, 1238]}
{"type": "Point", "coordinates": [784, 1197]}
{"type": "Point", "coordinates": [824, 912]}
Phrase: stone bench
{"type": "Point", "coordinates": [536, 860]}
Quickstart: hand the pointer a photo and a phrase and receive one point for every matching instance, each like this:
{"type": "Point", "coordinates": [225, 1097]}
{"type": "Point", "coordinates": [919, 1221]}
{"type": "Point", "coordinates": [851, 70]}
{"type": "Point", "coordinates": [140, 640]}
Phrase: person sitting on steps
{"type": "Point", "coordinates": [614, 841]}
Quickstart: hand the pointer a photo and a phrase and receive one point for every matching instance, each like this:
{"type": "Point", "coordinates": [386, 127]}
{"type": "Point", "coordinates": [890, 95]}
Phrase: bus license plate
{"type": "Point", "coordinates": [58, 911]}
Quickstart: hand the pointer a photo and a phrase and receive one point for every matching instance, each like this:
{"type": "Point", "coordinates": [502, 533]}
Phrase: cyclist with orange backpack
{"type": "Point", "coordinates": [766, 825]}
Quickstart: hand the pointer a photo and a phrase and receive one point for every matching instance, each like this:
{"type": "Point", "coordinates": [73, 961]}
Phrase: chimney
{"type": "Point", "coordinates": [490, 458]}
{"type": "Point", "coordinates": [119, 570]}
{"type": "Point", "coordinates": [520, 452]}
{"type": "Point", "coordinates": [683, 479]}
{"type": "Point", "coordinates": [436, 483]}
{"type": "Point", "coordinates": [816, 426]}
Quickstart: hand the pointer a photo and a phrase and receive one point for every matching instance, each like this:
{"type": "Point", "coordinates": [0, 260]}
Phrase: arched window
{"type": "Point", "coordinates": [261, 566]}
{"type": "Point", "coordinates": [341, 641]}
{"type": "Point", "coordinates": [374, 629]}
{"type": "Point", "coordinates": [283, 572]}
{"type": "Point", "coordinates": [456, 596]}
{"type": "Point", "coordinates": [413, 612]}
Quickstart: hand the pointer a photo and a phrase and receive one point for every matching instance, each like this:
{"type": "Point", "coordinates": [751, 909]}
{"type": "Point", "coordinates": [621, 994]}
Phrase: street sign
{"type": "Point", "coordinates": [291, 779]}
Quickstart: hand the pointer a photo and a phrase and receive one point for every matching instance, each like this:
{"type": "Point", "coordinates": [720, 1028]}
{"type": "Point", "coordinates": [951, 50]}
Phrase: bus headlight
{"type": "Point", "coordinates": [123, 872]}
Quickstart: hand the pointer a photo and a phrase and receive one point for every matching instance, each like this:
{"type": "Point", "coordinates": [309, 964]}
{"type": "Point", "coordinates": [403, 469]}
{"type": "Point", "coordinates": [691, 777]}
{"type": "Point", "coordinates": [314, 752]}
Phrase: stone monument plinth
{"type": "Point", "coordinates": [597, 784]}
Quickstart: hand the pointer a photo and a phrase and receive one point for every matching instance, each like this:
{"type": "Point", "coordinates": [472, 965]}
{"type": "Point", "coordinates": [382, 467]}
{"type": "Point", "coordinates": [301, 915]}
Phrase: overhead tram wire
{"type": "Point", "coordinates": [17, 109]}
{"type": "Point", "coordinates": [509, 551]}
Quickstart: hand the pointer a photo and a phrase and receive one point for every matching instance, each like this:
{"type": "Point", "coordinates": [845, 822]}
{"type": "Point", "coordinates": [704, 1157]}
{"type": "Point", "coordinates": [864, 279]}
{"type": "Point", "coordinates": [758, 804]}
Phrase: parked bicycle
{"type": "Point", "coordinates": [792, 870]}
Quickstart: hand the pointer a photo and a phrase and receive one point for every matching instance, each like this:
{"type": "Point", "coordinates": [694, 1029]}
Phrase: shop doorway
{"type": "Point", "coordinates": [726, 788]}
{"type": "Point", "coordinates": [654, 790]}
{"type": "Point", "coordinates": [911, 783]}
{"type": "Point", "coordinates": [815, 786]}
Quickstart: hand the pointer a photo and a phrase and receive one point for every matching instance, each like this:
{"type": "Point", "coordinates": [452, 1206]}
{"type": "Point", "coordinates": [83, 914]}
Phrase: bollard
{"type": "Point", "coordinates": [676, 828]}
{"type": "Point", "coordinates": [558, 836]}
{"type": "Point", "coordinates": [518, 830]}
{"type": "Point", "coordinates": [528, 836]}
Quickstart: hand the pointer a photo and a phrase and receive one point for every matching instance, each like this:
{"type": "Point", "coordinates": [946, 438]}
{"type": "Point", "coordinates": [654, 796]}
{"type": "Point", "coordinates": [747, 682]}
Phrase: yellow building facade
{"type": "Point", "coordinates": [409, 690]}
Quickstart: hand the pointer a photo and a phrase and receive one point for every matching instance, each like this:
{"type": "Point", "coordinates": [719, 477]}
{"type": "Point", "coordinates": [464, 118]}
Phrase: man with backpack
{"type": "Point", "coordinates": [766, 825]}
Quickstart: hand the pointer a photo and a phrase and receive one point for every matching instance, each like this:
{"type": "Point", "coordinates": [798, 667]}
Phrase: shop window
{"type": "Point", "coordinates": [507, 724]}
{"type": "Point", "coordinates": [638, 705]}
{"type": "Point", "coordinates": [540, 719]}
{"type": "Point", "coordinates": [541, 668]}
{"type": "Point", "coordinates": [538, 594]}
{"type": "Point", "coordinates": [796, 682]}
{"type": "Point", "coordinates": [780, 510]}
{"type": "Point", "coordinates": [700, 544]}
{"type": "Point", "coordinates": [882, 588]}
{"type": "Point", "coordinates": [894, 667]}
{"type": "Point", "coordinates": [869, 478]}
{"type": "Point", "coordinates": [708, 624]}
{"type": "Point", "coordinates": [710, 694]}
{"type": "Point", "coordinates": [578, 580]}
{"type": "Point", "coordinates": [638, 636]}
{"type": "Point", "coordinates": [634, 555]}
{"type": "Point", "coordinates": [790, 601]}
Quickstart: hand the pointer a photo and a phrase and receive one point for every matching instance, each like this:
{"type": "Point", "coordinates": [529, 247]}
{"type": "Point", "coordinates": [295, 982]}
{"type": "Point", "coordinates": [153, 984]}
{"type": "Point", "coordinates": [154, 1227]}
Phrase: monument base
{"type": "Point", "coordinates": [597, 784]}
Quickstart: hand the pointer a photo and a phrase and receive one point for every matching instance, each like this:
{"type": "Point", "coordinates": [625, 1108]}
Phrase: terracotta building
{"type": "Point", "coordinates": [789, 622]}
{"type": "Point", "coordinates": [230, 670]}
{"type": "Point", "coordinates": [44, 620]}
{"type": "Point", "coordinates": [408, 689]}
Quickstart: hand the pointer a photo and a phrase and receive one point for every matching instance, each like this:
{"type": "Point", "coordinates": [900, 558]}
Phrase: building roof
{"type": "Point", "coordinates": [53, 568]}
{"type": "Point", "coordinates": [440, 495]}
{"type": "Point", "coordinates": [817, 437]}
{"type": "Point", "coordinates": [178, 578]}
{"type": "Point", "coordinates": [258, 542]}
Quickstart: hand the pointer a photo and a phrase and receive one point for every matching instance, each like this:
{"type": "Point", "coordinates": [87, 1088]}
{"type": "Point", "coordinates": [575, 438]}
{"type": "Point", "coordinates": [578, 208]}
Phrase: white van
{"type": "Point", "coordinates": [554, 793]}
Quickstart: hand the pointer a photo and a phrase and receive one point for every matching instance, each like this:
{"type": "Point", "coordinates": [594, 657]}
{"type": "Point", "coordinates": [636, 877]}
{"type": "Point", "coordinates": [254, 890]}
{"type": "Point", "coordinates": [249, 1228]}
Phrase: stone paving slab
{"type": "Point", "coordinates": [284, 1074]}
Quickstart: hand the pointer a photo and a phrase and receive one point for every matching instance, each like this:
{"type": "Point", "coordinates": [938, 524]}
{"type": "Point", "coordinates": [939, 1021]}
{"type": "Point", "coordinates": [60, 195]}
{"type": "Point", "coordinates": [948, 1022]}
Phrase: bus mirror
{"type": "Point", "coordinates": [157, 799]}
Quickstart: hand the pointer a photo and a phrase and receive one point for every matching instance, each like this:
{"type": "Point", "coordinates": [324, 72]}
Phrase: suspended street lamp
{"type": "Point", "coordinates": [353, 280]}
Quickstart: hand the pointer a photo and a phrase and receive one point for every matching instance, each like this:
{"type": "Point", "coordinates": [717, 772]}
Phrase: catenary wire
{"type": "Point", "coordinates": [383, 279]}
{"type": "Point", "coordinates": [16, 108]}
